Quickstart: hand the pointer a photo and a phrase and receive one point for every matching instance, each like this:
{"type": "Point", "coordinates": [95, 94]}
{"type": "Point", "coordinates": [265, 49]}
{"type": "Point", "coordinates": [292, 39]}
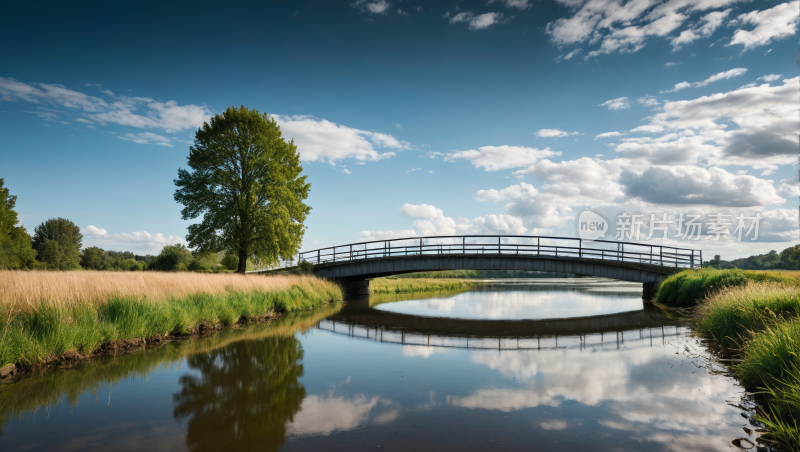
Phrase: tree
{"type": "Point", "coordinates": [69, 238]}
{"type": "Point", "coordinates": [245, 182]}
{"type": "Point", "coordinates": [173, 257]}
{"type": "Point", "coordinates": [95, 258]}
{"type": "Point", "coordinates": [16, 250]}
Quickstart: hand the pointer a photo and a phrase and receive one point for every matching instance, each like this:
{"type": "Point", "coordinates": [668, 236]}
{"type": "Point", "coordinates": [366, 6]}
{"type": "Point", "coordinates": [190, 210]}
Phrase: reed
{"type": "Point", "coordinates": [46, 314]}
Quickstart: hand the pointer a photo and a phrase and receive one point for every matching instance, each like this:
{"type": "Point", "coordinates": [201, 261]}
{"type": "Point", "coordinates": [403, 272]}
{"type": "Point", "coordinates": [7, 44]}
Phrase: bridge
{"type": "Point", "coordinates": [353, 265]}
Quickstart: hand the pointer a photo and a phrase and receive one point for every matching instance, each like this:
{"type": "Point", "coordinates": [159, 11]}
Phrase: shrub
{"type": "Point", "coordinates": [94, 258]}
{"type": "Point", "coordinates": [173, 257]}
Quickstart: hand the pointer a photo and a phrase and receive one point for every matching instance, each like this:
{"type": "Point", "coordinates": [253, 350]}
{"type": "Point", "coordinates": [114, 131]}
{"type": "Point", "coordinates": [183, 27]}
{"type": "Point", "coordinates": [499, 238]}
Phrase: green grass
{"type": "Point", "coordinates": [730, 315]}
{"type": "Point", "coordinates": [688, 287]}
{"type": "Point", "coordinates": [31, 338]}
{"type": "Point", "coordinates": [391, 285]}
{"type": "Point", "coordinates": [47, 390]}
{"type": "Point", "coordinates": [762, 321]}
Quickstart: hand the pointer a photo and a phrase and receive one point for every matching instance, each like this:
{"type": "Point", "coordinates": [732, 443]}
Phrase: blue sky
{"type": "Point", "coordinates": [412, 118]}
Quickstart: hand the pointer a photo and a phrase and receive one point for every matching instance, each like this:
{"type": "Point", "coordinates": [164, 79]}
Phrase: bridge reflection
{"type": "Point", "coordinates": [358, 319]}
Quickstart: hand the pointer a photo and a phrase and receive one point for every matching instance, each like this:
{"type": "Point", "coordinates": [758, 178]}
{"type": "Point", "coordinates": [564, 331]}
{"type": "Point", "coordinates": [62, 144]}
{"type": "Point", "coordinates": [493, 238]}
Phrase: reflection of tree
{"type": "Point", "coordinates": [244, 395]}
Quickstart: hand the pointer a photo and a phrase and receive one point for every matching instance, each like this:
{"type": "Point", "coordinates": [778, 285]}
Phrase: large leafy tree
{"type": "Point", "coordinates": [67, 235]}
{"type": "Point", "coordinates": [245, 182]}
{"type": "Point", "coordinates": [15, 243]}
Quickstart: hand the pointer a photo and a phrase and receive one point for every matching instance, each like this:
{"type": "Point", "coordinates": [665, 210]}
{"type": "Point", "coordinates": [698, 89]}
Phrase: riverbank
{"type": "Point", "coordinates": [754, 316]}
{"type": "Point", "coordinates": [49, 318]}
{"type": "Point", "coordinates": [400, 285]}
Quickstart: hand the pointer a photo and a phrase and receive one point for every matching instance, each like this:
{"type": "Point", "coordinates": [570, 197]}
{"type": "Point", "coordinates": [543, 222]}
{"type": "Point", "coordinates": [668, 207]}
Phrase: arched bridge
{"type": "Point", "coordinates": [353, 265]}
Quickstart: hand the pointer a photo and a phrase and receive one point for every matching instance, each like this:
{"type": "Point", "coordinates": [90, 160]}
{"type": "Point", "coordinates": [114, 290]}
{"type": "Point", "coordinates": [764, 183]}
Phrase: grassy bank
{"type": "Point", "coordinates": [755, 316]}
{"type": "Point", "coordinates": [395, 285]}
{"type": "Point", "coordinates": [46, 314]}
{"type": "Point", "coordinates": [688, 287]}
{"type": "Point", "coordinates": [46, 391]}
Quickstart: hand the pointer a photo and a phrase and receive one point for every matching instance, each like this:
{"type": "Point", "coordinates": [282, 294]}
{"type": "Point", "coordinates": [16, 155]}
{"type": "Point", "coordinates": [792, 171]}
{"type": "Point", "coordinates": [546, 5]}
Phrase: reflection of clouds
{"type": "Point", "coordinates": [440, 304]}
{"type": "Point", "coordinates": [553, 425]}
{"type": "Point", "coordinates": [504, 399]}
{"type": "Point", "coordinates": [643, 392]}
{"type": "Point", "coordinates": [520, 366]}
{"type": "Point", "coordinates": [421, 350]}
{"type": "Point", "coordinates": [322, 415]}
{"type": "Point", "coordinates": [524, 304]}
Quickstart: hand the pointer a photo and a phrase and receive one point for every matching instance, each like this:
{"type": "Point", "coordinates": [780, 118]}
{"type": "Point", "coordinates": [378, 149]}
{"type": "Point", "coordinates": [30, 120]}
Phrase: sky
{"type": "Point", "coordinates": [414, 118]}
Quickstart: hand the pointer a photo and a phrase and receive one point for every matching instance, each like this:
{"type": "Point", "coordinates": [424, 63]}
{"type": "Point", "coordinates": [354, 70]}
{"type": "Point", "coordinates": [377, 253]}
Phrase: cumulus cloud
{"type": "Point", "coordinates": [375, 7]}
{"type": "Point", "coordinates": [754, 127]}
{"type": "Point", "coordinates": [648, 101]}
{"type": "Point", "coordinates": [619, 103]}
{"type": "Point", "coordinates": [699, 186]}
{"type": "Point", "coordinates": [718, 76]}
{"type": "Point", "coordinates": [322, 140]}
{"type": "Point", "coordinates": [771, 24]}
{"type": "Point", "coordinates": [608, 135]}
{"type": "Point", "coordinates": [494, 158]}
{"type": "Point", "coordinates": [625, 26]}
{"type": "Point", "coordinates": [520, 191]}
{"type": "Point", "coordinates": [478, 22]}
{"type": "Point", "coordinates": [705, 28]}
{"type": "Point", "coordinates": [136, 240]}
{"type": "Point", "coordinates": [554, 133]}
{"type": "Point", "coordinates": [431, 221]}
{"type": "Point", "coordinates": [324, 414]}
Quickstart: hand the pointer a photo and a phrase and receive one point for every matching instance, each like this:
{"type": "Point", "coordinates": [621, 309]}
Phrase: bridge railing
{"type": "Point", "coordinates": [507, 245]}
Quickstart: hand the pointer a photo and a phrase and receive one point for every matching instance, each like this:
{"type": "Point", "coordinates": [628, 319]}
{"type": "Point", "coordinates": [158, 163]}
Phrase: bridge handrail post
{"type": "Point", "coordinates": [463, 244]}
{"type": "Point", "coordinates": [499, 251]}
{"type": "Point", "coordinates": [420, 247]}
{"type": "Point", "coordinates": [580, 248]}
{"type": "Point", "coordinates": [318, 261]}
{"type": "Point", "coordinates": [537, 246]}
{"type": "Point", "coordinates": [701, 258]}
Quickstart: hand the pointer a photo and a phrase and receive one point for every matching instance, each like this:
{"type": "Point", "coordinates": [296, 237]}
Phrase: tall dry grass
{"type": "Point", "coordinates": [26, 291]}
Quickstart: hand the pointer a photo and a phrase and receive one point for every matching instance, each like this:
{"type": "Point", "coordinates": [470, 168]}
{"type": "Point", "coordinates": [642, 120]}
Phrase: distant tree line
{"type": "Point", "coordinates": [57, 245]}
{"type": "Point", "coordinates": [788, 259]}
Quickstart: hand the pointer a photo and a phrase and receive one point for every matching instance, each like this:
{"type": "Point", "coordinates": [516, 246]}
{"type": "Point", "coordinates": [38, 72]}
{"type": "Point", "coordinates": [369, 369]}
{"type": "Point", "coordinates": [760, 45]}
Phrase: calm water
{"type": "Point", "coordinates": [539, 367]}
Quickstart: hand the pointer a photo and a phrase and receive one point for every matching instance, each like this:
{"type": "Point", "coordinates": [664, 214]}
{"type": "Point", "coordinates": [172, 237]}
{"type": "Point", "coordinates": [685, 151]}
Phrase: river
{"type": "Point", "coordinates": [532, 365]}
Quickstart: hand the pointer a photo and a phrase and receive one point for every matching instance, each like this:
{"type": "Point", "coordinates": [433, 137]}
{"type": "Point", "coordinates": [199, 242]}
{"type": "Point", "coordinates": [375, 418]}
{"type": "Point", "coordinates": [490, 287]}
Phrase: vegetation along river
{"type": "Point", "coordinates": [541, 365]}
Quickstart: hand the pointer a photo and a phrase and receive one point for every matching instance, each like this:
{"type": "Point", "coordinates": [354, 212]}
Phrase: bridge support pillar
{"type": "Point", "coordinates": [649, 290]}
{"type": "Point", "coordinates": [354, 288]}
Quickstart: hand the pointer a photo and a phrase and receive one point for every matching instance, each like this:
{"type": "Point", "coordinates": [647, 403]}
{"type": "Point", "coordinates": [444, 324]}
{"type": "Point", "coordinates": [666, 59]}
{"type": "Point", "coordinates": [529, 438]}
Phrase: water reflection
{"type": "Point", "coordinates": [625, 381]}
{"type": "Point", "coordinates": [243, 396]}
{"type": "Point", "coordinates": [533, 302]}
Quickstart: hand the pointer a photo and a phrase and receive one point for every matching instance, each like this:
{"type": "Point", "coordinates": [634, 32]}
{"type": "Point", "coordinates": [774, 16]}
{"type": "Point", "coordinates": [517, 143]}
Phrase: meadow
{"type": "Point", "coordinates": [755, 317]}
{"type": "Point", "coordinates": [45, 315]}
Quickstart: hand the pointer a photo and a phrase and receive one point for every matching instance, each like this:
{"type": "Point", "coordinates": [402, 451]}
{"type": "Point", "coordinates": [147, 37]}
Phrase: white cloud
{"type": "Point", "coordinates": [143, 241]}
{"type": "Point", "coordinates": [625, 27]}
{"type": "Point", "coordinates": [754, 127]}
{"type": "Point", "coordinates": [376, 7]}
{"type": "Point", "coordinates": [322, 140]}
{"type": "Point", "coordinates": [478, 22]}
{"type": "Point", "coordinates": [147, 138]}
{"type": "Point", "coordinates": [708, 24]}
{"type": "Point", "coordinates": [716, 77]}
{"type": "Point", "coordinates": [619, 103]}
{"type": "Point", "coordinates": [347, 171]}
{"type": "Point", "coordinates": [608, 135]}
{"type": "Point", "coordinates": [554, 133]}
{"type": "Point", "coordinates": [672, 63]}
{"type": "Point", "coordinates": [770, 24]}
{"type": "Point", "coordinates": [431, 221]}
{"type": "Point", "coordinates": [648, 101]}
{"type": "Point", "coordinates": [520, 191]}
{"type": "Point", "coordinates": [554, 424]}
{"type": "Point", "coordinates": [413, 169]}
{"type": "Point", "coordinates": [494, 158]}
{"type": "Point", "coordinates": [325, 414]}
{"type": "Point", "coordinates": [521, 5]}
